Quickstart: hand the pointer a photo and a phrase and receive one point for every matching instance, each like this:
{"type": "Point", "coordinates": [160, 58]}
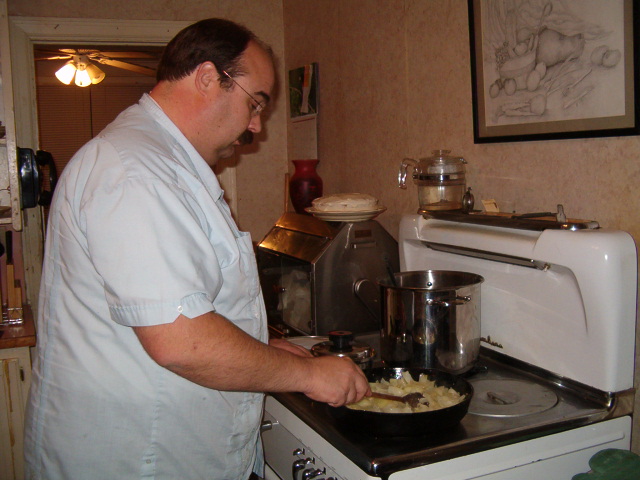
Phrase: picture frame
{"type": "Point", "coordinates": [303, 92]}
{"type": "Point", "coordinates": [551, 69]}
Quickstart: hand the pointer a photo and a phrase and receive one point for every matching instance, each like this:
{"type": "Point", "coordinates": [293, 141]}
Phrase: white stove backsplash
{"type": "Point", "coordinates": [571, 312]}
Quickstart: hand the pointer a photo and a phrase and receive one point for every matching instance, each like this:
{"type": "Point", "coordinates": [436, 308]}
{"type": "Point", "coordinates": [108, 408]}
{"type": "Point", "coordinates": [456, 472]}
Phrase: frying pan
{"type": "Point", "coordinates": [408, 424]}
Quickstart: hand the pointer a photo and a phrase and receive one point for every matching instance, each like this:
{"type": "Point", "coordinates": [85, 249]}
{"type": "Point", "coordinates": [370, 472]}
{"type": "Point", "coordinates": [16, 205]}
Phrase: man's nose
{"type": "Point", "coordinates": [255, 125]}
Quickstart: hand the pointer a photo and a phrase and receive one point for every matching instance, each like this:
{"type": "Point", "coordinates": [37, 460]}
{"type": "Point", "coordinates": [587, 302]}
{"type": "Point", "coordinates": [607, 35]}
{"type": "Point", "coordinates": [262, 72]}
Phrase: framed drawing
{"type": "Point", "coordinates": [549, 69]}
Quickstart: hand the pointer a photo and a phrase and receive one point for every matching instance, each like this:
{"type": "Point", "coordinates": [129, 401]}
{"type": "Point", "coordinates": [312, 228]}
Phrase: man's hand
{"type": "Point", "coordinates": [339, 380]}
{"type": "Point", "coordinates": [336, 381]}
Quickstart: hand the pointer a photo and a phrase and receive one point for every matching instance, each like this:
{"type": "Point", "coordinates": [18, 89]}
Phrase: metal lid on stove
{"type": "Point", "coordinates": [510, 398]}
{"type": "Point", "coordinates": [341, 344]}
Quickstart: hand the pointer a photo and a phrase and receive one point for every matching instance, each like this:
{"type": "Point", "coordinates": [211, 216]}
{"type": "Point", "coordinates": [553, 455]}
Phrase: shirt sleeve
{"type": "Point", "coordinates": [148, 242]}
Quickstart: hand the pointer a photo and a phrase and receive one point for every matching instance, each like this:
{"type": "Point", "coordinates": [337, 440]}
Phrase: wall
{"type": "Point", "coordinates": [395, 82]}
{"type": "Point", "coordinates": [259, 168]}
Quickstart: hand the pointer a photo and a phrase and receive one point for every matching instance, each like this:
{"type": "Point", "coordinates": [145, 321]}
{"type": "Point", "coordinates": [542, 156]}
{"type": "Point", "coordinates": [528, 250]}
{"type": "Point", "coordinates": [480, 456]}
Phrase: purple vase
{"type": "Point", "coordinates": [305, 185]}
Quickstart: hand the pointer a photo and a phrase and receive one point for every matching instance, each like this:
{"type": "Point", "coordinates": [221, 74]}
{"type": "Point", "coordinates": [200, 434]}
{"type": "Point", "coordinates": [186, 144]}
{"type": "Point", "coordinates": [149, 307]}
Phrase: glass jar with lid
{"type": "Point", "coordinates": [441, 180]}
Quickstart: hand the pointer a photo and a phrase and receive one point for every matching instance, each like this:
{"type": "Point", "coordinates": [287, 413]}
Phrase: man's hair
{"type": "Point", "coordinates": [215, 40]}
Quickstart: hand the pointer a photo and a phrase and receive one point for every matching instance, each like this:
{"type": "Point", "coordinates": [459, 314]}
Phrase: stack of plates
{"type": "Point", "coordinates": [352, 216]}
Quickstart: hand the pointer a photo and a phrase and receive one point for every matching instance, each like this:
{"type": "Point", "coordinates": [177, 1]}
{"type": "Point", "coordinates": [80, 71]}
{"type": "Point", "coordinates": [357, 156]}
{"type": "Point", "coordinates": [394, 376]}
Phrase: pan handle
{"type": "Point", "coordinates": [447, 304]}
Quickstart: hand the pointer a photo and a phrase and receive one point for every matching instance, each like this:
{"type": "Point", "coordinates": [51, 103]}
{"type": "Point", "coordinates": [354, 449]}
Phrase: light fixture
{"type": "Point", "coordinates": [85, 72]}
{"type": "Point", "coordinates": [95, 73]}
{"type": "Point", "coordinates": [66, 73]}
{"type": "Point", "coordinates": [82, 78]}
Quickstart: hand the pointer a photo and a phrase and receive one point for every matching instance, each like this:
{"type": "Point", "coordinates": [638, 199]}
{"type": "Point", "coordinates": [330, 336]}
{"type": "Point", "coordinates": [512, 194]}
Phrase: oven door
{"type": "Point", "coordinates": [558, 456]}
{"type": "Point", "coordinates": [287, 290]}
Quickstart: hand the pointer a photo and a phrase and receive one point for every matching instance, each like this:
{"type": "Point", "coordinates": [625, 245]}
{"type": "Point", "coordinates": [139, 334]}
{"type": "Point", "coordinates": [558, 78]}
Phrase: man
{"type": "Point", "coordinates": [152, 345]}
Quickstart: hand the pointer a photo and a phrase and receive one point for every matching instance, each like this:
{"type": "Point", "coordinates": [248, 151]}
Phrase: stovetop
{"type": "Point", "coordinates": [568, 406]}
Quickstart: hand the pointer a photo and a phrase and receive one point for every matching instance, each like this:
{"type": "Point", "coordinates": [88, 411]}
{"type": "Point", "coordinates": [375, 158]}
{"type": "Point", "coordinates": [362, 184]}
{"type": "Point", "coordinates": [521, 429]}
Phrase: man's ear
{"type": "Point", "coordinates": [206, 77]}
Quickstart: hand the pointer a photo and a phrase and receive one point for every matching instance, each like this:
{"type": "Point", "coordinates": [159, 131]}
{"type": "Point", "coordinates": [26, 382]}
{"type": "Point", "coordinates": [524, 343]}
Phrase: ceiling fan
{"type": "Point", "coordinates": [82, 64]}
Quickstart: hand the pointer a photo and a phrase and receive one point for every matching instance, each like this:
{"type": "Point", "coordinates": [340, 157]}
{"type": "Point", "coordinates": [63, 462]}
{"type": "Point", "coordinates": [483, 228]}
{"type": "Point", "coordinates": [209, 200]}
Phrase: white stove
{"type": "Point", "coordinates": [554, 382]}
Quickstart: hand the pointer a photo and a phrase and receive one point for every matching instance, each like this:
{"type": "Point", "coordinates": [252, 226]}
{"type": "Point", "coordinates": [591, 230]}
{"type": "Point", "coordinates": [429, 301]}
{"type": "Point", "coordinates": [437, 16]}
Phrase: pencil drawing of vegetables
{"type": "Point", "coordinates": [543, 56]}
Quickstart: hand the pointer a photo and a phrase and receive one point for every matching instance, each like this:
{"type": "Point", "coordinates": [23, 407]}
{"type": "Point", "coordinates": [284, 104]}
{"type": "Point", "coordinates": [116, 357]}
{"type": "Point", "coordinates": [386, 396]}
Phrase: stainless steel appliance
{"type": "Point", "coordinates": [554, 381]}
{"type": "Point", "coordinates": [320, 276]}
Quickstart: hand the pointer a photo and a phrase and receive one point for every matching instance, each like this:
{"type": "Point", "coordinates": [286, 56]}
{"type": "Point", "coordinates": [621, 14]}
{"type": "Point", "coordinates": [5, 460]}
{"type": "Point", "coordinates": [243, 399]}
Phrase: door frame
{"type": "Point", "coordinates": [24, 33]}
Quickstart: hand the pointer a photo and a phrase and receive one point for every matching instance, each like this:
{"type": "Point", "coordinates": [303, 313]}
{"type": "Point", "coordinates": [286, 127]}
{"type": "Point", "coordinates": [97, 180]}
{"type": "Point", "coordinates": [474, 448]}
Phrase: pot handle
{"type": "Point", "coordinates": [402, 173]}
{"type": "Point", "coordinates": [447, 304]}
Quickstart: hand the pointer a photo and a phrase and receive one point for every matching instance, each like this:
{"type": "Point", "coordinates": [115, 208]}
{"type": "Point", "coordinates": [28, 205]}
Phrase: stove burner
{"type": "Point", "coordinates": [510, 398]}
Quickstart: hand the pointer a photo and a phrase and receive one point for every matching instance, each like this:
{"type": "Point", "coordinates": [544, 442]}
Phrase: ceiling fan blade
{"type": "Point", "coordinates": [55, 57]}
{"type": "Point", "coordinates": [127, 55]}
{"type": "Point", "coordinates": [79, 51]}
{"type": "Point", "coordinates": [127, 66]}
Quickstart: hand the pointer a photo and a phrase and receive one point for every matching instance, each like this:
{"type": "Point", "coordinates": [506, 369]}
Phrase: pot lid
{"type": "Point", "coordinates": [510, 398]}
{"type": "Point", "coordinates": [342, 344]}
{"type": "Point", "coordinates": [440, 163]}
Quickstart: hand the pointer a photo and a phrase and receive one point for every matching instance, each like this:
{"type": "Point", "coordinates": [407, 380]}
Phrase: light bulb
{"type": "Point", "coordinates": [66, 73]}
{"type": "Point", "coordinates": [95, 73]}
{"type": "Point", "coordinates": [82, 78]}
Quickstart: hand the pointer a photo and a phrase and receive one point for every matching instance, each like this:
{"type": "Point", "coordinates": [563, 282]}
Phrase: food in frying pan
{"type": "Point", "coordinates": [434, 397]}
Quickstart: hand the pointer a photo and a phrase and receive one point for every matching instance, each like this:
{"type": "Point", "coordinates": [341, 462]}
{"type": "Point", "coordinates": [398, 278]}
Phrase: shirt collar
{"type": "Point", "coordinates": [192, 160]}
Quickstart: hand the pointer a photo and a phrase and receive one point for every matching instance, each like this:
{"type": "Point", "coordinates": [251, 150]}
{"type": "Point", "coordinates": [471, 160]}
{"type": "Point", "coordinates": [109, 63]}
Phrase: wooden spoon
{"type": "Point", "coordinates": [412, 399]}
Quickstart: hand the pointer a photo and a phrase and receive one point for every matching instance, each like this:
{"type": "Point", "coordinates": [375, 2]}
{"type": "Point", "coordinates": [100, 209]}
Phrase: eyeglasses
{"type": "Point", "coordinates": [256, 107]}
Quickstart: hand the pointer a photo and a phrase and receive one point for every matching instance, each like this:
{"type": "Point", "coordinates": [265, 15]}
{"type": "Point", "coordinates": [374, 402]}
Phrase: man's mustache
{"type": "Point", "coordinates": [246, 138]}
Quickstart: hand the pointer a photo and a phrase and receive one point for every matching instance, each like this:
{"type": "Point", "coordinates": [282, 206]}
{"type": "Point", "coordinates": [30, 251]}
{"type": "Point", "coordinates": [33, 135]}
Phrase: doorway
{"type": "Point", "coordinates": [69, 115]}
{"type": "Point", "coordinates": [25, 33]}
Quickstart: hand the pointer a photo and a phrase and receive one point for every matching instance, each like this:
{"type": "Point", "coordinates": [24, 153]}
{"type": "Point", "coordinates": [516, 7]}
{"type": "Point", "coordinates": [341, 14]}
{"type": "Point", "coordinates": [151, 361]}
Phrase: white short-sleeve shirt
{"type": "Point", "coordinates": [138, 234]}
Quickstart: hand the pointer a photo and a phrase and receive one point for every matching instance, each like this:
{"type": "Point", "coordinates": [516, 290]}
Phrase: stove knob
{"type": "Point", "coordinates": [267, 425]}
{"type": "Point", "coordinates": [298, 466]}
{"type": "Point", "coordinates": [310, 473]}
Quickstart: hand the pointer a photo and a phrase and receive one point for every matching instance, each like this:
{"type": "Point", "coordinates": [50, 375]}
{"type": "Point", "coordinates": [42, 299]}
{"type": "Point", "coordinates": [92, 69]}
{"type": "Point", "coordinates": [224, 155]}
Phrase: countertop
{"type": "Point", "coordinates": [20, 335]}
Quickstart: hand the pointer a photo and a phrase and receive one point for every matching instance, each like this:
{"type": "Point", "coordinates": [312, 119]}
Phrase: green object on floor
{"type": "Point", "coordinates": [612, 464]}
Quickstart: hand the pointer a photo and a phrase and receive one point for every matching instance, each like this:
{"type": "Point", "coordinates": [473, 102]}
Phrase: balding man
{"type": "Point", "coordinates": [153, 350]}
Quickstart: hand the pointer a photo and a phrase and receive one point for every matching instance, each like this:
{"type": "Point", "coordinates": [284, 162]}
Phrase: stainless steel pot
{"type": "Point", "coordinates": [431, 319]}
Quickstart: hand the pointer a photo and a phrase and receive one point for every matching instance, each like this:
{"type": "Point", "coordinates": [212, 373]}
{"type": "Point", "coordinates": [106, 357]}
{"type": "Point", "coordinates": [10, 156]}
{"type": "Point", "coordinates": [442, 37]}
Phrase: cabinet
{"type": "Point", "coordinates": [10, 208]}
{"type": "Point", "coordinates": [15, 375]}
{"type": "Point", "coordinates": [15, 378]}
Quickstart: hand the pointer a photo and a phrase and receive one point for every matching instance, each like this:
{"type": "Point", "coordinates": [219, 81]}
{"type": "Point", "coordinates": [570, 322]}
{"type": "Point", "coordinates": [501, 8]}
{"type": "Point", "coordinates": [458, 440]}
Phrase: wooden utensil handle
{"type": "Point", "coordinates": [386, 396]}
